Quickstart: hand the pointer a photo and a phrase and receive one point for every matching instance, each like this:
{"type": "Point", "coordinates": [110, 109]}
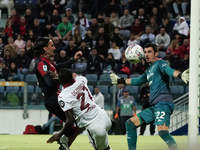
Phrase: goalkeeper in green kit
{"type": "Point", "coordinates": [162, 105]}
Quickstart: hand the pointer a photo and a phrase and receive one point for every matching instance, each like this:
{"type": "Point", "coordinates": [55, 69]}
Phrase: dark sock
{"type": "Point", "coordinates": [169, 140]}
{"type": "Point", "coordinates": [131, 130]}
{"type": "Point", "coordinates": [108, 148]}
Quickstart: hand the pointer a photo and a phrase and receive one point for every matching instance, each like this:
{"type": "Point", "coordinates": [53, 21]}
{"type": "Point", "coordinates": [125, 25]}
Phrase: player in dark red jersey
{"type": "Point", "coordinates": [43, 49]}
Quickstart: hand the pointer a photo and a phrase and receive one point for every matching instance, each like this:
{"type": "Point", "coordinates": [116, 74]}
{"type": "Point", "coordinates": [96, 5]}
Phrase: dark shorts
{"type": "Point", "coordinates": [159, 113]}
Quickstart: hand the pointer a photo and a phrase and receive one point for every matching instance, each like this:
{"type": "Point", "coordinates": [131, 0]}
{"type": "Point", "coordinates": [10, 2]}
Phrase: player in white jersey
{"type": "Point", "coordinates": [77, 102]}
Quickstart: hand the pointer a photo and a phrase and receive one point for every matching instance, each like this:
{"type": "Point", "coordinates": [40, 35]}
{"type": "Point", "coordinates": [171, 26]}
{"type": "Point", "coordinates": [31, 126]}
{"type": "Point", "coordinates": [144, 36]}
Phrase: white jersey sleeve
{"type": "Point", "coordinates": [76, 96]}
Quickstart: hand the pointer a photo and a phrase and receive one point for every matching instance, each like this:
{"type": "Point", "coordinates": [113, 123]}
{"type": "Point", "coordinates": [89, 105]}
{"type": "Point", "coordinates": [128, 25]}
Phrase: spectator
{"type": "Point", "coordinates": [112, 6]}
{"type": "Point", "coordinates": [154, 26]}
{"type": "Point", "coordinates": [139, 67]}
{"type": "Point", "coordinates": [137, 28]}
{"type": "Point", "coordinates": [59, 45]}
{"type": "Point", "coordinates": [9, 4]}
{"type": "Point", "coordinates": [185, 47]}
{"type": "Point", "coordinates": [3, 70]}
{"type": "Point", "coordinates": [22, 28]}
{"type": "Point", "coordinates": [118, 38]}
{"type": "Point", "coordinates": [119, 92]}
{"type": "Point", "coordinates": [98, 97]}
{"type": "Point", "coordinates": [171, 59]}
{"type": "Point", "coordinates": [174, 48]}
{"type": "Point", "coordinates": [147, 37]}
{"type": "Point", "coordinates": [85, 52]}
{"type": "Point", "coordinates": [127, 106]}
{"type": "Point", "coordinates": [31, 36]}
{"type": "Point", "coordinates": [102, 48]}
{"type": "Point", "coordinates": [83, 5]}
{"type": "Point", "coordinates": [156, 15]}
{"type": "Point", "coordinates": [142, 17]}
{"type": "Point", "coordinates": [12, 47]}
{"type": "Point", "coordinates": [49, 31]}
{"type": "Point", "coordinates": [162, 10]}
{"type": "Point", "coordinates": [134, 39]}
{"type": "Point", "coordinates": [125, 22]}
{"type": "Point", "coordinates": [162, 40]}
{"type": "Point", "coordinates": [83, 20]}
{"type": "Point", "coordinates": [76, 37]}
{"type": "Point", "coordinates": [58, 6]}
{"type": "Point", "coordinates": [80, 28]}
{"type": "Point", "coordinates": [144, 98]}
{"type": "Point", "coordinates": [181, 27]}
{"type": "Point", "coordinates": [29, 17]}
{"type": "Point", "coordinates": [14, 17]}
{"type": "Point", "coordinates": [101, 34]}
{"type": "Point", "coordinates": [72, 4]}
{"type": "Point", "coordinates": [29, 49]}
{"type": "Point", "coordinates": [115, 51]}
{"type": "Point", "coordinates": [71, 49]}
{"type": "Point", "coordinates": [124, 4]}
{"type": "Point", "coordinates": [167, 25]}
{"type": "Point", "coordinates": [183, 4]}
{"type": "Point", "coordinates": [109, 65]}
{"type": "Point", "coordinates": [43, 18]}
{"type": "Point", "coordinates": [70, 16]}
{"type": "Point", "coordinates": [22, 61]}
{"type": "Point", "coordinates": [9, 28]}
{"type": "Point", "coordinates": [19, 42]}
{"type": "Point", "coordinates": [62, 58]}
{"type": "Point", "coordinates": [1, 48]}
{"type": "Point", "coordinates": [3, 36]}
{"type": "Point", "coordinates": [37, 28]}
{"type": "Point", "coordinates": [89, 39]}
{"type": "Point", "coordinates": [50, 123]}
{"type": "Point", "coordinates": [100, 19]}
{"type": "Point", "coordinates": [94, 27]}
{"type": "Point", "coordinates": [8, 59]}
{"type": "Point", "coordinates": [123, 65]}
{"type": "Point", "coordinates": [64, 29]}
{"type": "Point", "coordinates": [41, 5]}
{"type": "Point", "coordinates": [55, 18]}
{"type": "Point", "coordinates": [13, 74]}
{"type": "Point", "coordinates": [94, 63]}
{"type": "Point", "coordinates": [108, 26]}
{"type": "Point", "coordinates": [183, 63]}
{"type": "Point", "coordinates": [114, 19]}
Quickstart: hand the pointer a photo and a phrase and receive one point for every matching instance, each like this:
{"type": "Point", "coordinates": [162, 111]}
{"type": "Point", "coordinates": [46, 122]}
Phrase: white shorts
{"type": "Point", "coordinates": [97, 131]}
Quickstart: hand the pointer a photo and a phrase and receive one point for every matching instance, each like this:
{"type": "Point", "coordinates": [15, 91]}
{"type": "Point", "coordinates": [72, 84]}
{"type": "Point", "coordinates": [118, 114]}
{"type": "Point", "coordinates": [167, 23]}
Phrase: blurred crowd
{"type": "Point", "coordinates": [101, 29]}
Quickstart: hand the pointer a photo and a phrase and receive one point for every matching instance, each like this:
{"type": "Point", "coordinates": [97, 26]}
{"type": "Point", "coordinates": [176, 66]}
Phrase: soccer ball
{"type": "Point", "coordinates": [134, 53]}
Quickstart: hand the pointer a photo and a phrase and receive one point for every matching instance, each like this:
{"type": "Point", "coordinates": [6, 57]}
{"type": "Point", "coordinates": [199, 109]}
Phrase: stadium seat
{"type": "Point", "coordinates": [134, 91]}
{"type": "Point", "coordinates": [177, 91]}
{"type": "Point", "coordinates": [21, 76]}
{"type": "Point", "coordinates": [135, 75]}
{"type": "Point", "coordinates": [80, 67]}
{"type": "Point", "coordinates": [92, 79]}
{"type": "Point", "coordinates": [2, 96]}
{"type": "Point", "coordinates": [104, 79]}
{"type": "Point", "coordinates": [103, 89]}
{"type": "Point", "coordinates": [14, 89]}
{"type": "Point", "coordinates": [20, 5]}
{"type": "Point", "coordinates": [30, 93]}
{"type": "Point", "coordinates": [177, 81]}
{"type": "Point", "coordinates": [31, 4]}
{"type": "Point", "coordinates": [37, 97]}
{"type": "Point", "coordinates": [161, 54]}
{"type": "Point", "coordinates": [122, 75]}
{"type": "Point", "coordinates": [186, 89]}
{"type": "Point", "coordinates": [125, 34]}
{"type": "Point", "coordinates": [11, 94]}
{"type": "Point", "coordinates": [91, 88]}
{"type": "Point", "coordinates": [31, 79]}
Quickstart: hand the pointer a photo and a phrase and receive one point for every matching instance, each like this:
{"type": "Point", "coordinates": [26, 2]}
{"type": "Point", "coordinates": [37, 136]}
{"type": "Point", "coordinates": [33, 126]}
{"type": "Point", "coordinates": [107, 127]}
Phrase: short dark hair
{"type": "Point", "coordinates": [65, 76]}
{"type": "Point", "coordinates": [39, 44]}
{"type": "Point", "coordinates": [154, 46]}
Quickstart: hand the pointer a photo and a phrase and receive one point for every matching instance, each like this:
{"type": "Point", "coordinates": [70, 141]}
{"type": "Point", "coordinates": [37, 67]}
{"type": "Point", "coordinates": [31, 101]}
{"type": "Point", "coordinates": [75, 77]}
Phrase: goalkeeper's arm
{"type": "Point", "coordinates": [182, 75]}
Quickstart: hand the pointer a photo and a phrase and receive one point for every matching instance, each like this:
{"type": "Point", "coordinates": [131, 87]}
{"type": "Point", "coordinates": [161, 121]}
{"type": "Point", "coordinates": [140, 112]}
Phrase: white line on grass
{"type": "Point", "coordinates": [4, 147]}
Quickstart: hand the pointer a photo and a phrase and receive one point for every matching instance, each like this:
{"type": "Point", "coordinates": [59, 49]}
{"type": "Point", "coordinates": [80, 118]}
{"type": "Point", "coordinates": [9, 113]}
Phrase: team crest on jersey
{"type": "Point", "coordinates": [62, 104]}
{"type": "Point", "coordinates": [44, 67]}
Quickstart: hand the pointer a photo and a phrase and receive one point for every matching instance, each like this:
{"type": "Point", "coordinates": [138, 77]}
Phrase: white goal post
{"type": "Point", "coordinates": [193, 112]}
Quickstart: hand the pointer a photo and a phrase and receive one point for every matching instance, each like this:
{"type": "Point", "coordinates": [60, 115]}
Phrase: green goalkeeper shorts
{"type": "Point", "coordinates": [159, 113]}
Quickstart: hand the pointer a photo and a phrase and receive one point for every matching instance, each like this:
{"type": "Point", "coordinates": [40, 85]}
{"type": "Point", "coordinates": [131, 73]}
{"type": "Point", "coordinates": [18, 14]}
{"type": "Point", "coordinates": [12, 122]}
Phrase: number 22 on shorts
{"type": "Point", "coordinates": [160, 115]}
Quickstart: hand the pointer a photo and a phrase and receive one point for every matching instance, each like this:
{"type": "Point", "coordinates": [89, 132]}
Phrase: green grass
{"type": "Point", "coordinates": [38, 142]}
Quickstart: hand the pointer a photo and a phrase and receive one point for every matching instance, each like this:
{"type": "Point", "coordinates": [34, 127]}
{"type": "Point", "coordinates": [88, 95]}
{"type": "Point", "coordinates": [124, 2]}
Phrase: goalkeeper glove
{"type": "Point", "coordinates": [184, 76]}
{"type": "Point", "coordinates": [116, 116]}
{"type": "Point", "coordinates": [116, 80]}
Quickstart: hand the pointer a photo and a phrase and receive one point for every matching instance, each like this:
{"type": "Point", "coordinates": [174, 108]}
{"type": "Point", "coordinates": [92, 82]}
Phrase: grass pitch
{"type": "Point", "coordinates": [116, 142]}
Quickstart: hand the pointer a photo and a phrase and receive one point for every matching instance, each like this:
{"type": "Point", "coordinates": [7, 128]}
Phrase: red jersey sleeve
{"type": "Point", "coordinates": [42, 68]}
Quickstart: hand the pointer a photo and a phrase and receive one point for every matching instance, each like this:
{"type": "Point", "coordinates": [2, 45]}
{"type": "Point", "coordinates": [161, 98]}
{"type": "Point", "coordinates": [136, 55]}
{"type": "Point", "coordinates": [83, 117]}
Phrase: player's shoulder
{"type": "Point", "coordinates": [80, 77]}
{"type": "Point", "coordinates": [161, 62]}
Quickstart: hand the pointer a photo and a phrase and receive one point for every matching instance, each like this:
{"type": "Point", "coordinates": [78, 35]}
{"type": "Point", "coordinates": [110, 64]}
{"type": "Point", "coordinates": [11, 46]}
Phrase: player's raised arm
{"type": "Point", "coordinates": [130, 81]}
{"type": "Point", "coordinates": [182, 75]}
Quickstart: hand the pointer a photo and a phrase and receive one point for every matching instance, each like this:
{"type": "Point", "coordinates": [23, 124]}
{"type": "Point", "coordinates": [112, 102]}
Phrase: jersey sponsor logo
{"type": "Point", "coordinates": [44, 67]}
{"type": "Point", "coordinates": [164, 65]}
{"type": "Point", "coordinates": [62, 104]}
